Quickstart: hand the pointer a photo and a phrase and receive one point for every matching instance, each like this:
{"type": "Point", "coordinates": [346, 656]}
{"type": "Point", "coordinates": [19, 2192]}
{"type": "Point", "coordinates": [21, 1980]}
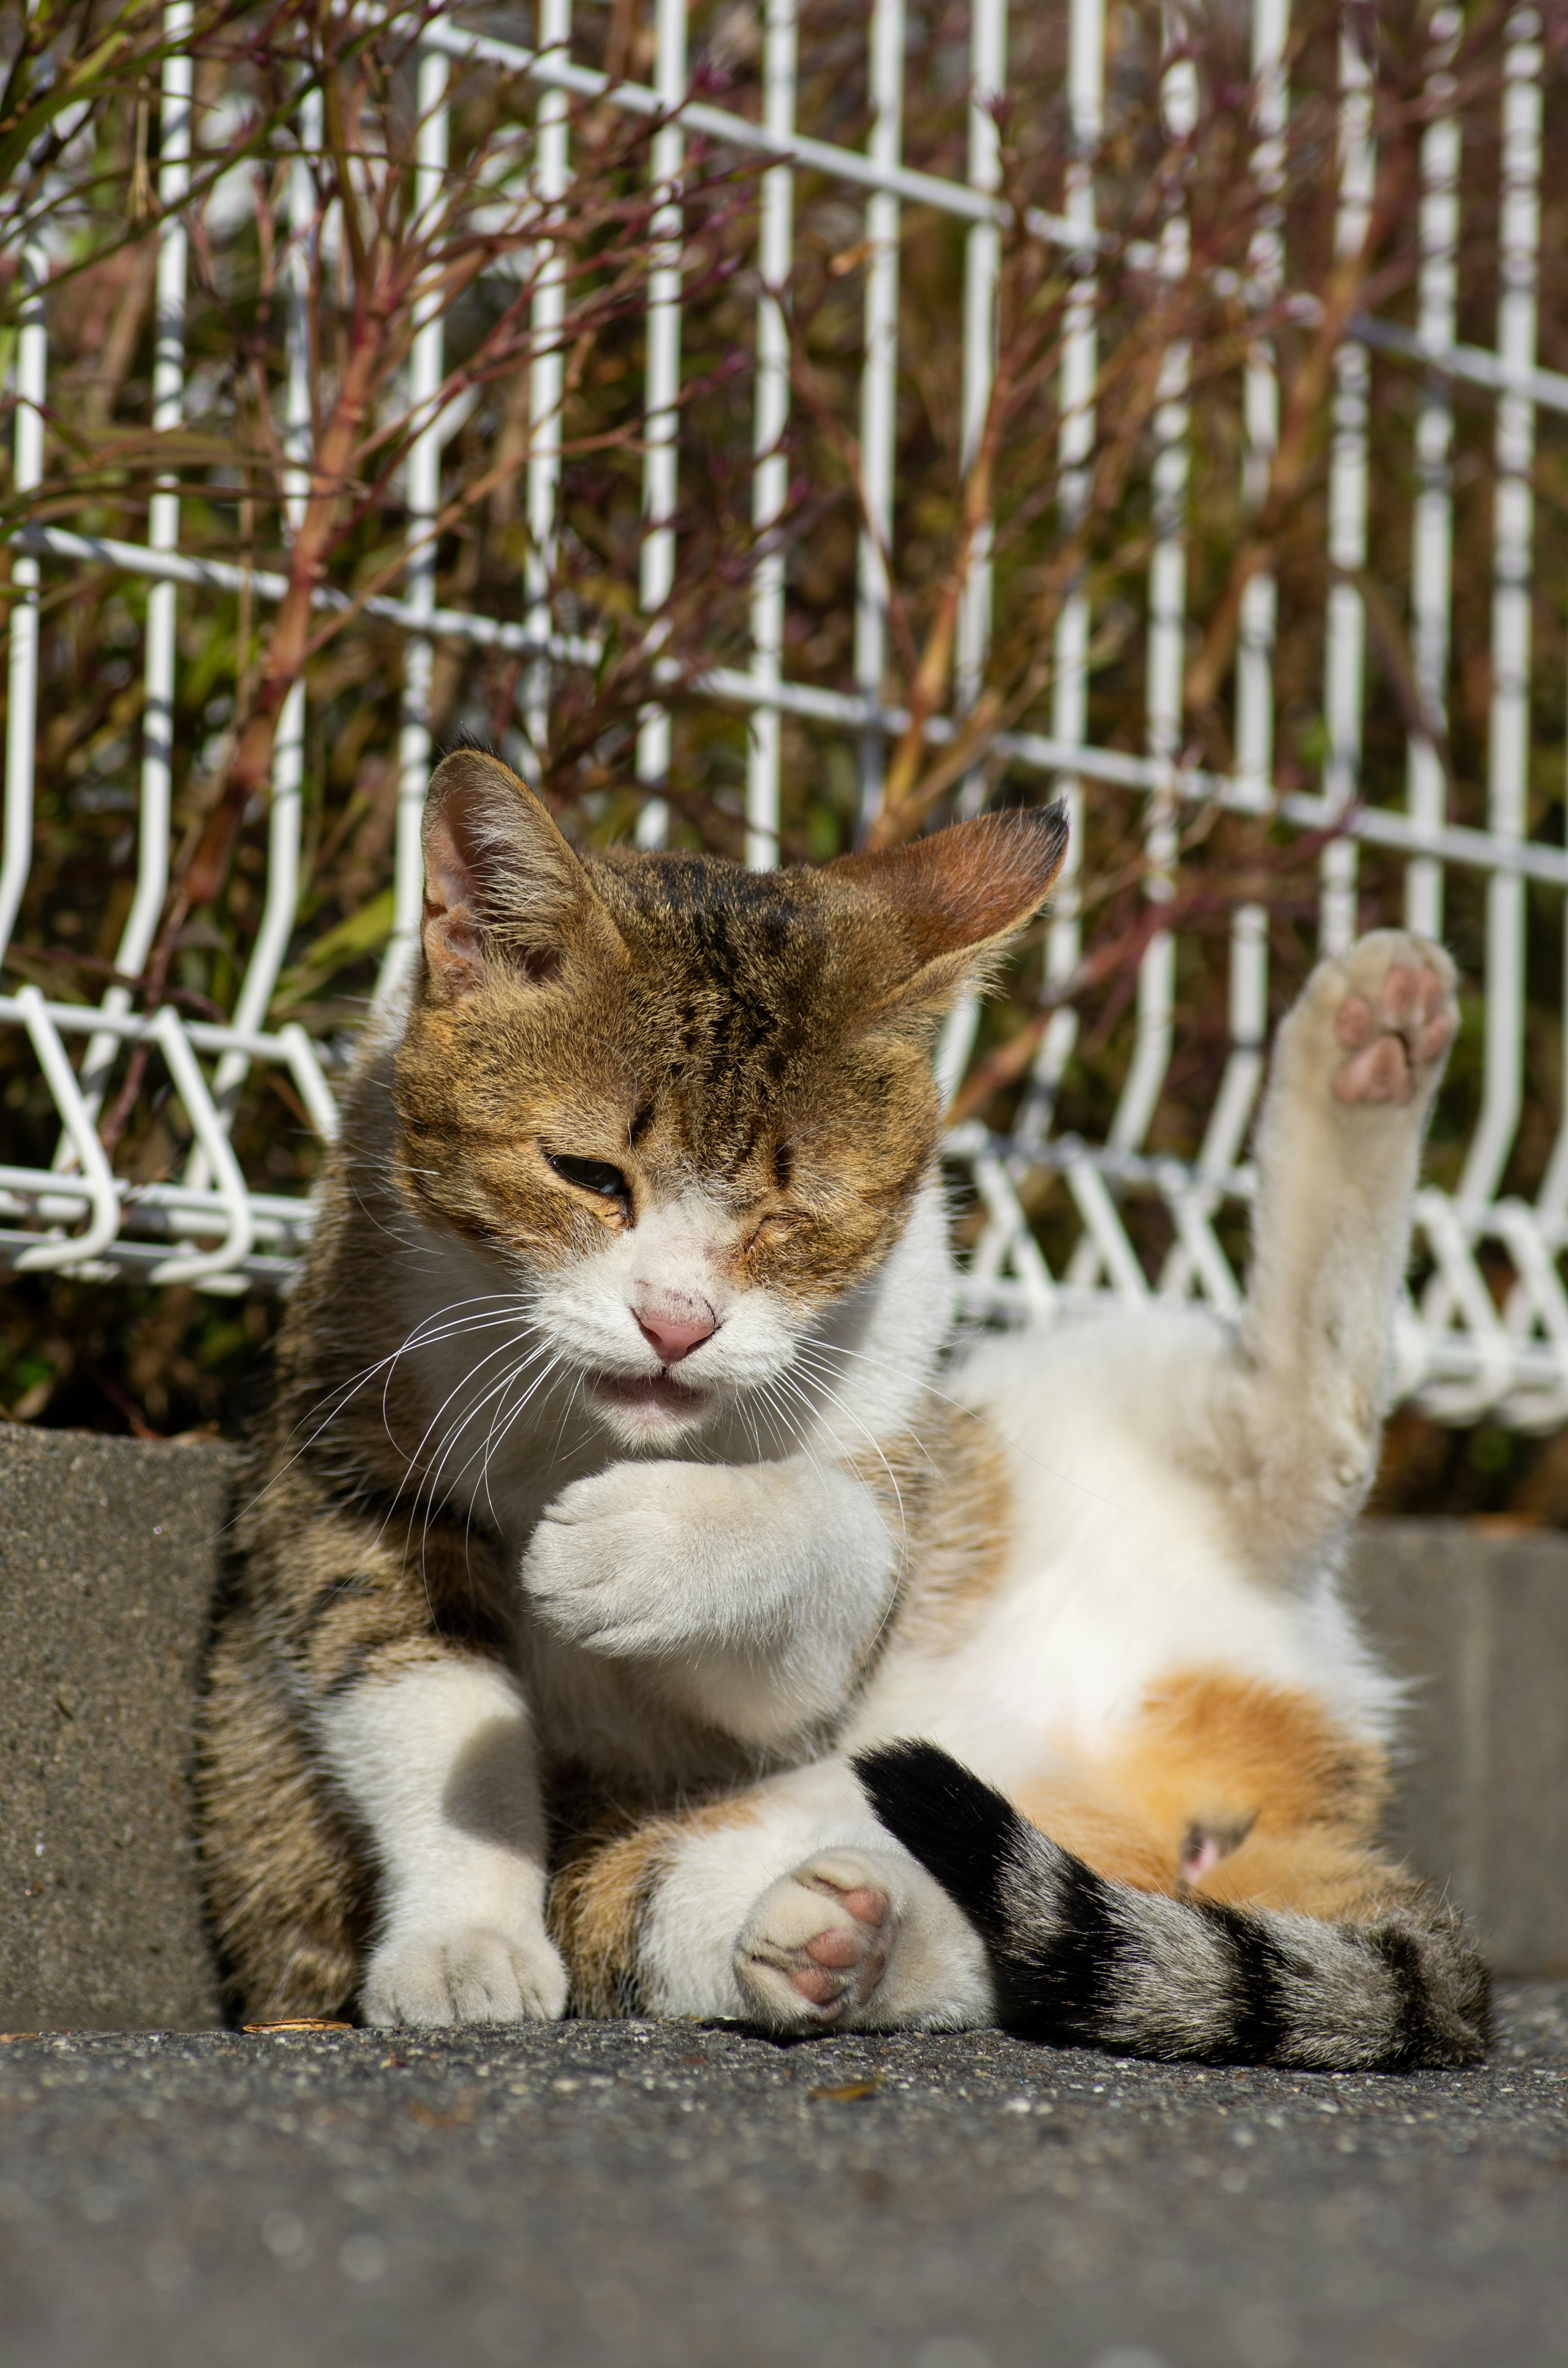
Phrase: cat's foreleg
{"type": "Point", "coordinates": [280, 1865]}
{"type": "Point", "coordinates": [438, 1760]}
{"type": "Point", "coordinates": [754, 1592]}
{"type": "Point", "coordinates": [1356, 1066]}
{"type": "Point", "coordinates": [391, 1640]}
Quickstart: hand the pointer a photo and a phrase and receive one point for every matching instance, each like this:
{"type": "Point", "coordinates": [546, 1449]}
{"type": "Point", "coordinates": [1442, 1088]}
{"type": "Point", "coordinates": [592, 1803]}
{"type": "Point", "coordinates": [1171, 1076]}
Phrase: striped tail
{"type": "Point", "coordinates": [1080, 1961]}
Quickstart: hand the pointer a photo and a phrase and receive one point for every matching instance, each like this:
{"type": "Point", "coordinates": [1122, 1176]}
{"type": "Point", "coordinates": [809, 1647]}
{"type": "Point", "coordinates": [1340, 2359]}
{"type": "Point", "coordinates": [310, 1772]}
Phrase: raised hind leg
{"type": "Point", "coordinates": [1355, 1067]}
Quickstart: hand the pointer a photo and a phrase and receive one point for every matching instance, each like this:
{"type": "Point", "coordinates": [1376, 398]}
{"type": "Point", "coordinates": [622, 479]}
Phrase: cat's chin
{"type": "Point", "coordinates": [648, 1411]}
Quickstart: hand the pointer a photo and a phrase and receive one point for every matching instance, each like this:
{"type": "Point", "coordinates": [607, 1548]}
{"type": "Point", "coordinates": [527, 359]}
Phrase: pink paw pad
{"type": "Point", "coordinates": [1400, 991]}
{"type": "Point", "coordinates": [1381, 1073]}
{"type": "Point", "coordinates": [820, 1940]}
{"type": "Point", "coordinates": [1409, 1024]}
{"type": "Point", "coordinates": [1353, 1024]}
{"type": "Point", "coordinates": [840, 1950]}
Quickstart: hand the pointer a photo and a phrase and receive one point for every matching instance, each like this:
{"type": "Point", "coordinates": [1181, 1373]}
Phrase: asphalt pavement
{"type": "Point", "coordinates": [606, 2195]}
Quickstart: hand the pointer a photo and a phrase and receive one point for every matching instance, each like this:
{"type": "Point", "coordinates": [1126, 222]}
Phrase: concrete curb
{"type": "Point", "coordinates": [108, 1556]}
{"type": "Point", "coordinates": [1479, 1623]}
{"type": "Point", "coordinates": [109, 1553]}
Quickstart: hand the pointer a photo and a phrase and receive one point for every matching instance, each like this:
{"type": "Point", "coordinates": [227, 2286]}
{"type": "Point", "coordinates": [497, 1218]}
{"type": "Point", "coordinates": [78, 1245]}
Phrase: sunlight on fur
{"type": "Point", "coordinates": [639, 1607]}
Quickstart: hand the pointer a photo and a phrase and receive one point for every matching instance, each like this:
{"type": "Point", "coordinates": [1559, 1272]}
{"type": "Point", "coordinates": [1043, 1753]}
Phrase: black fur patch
{"type": "Point", "coordinates": [1260, 2025]}
{"type": "Point", "coordinates": [963, 1831]}
{"type": "Point", "coordinates": [987, 1859]}
{"type": "Point", "coordinates": [1059, 1987]}
{"type": "Point", "coordinates": [356, 1663]}
{"type": "Point", "coordinates": [1417, 2040]}
{"type": "Point", "coordinates": [470, 1620]}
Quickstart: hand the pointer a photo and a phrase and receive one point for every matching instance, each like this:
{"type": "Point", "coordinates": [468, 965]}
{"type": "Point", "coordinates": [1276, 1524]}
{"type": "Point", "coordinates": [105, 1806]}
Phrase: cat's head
{"type": "Point", "coordinates": [687, 1107]}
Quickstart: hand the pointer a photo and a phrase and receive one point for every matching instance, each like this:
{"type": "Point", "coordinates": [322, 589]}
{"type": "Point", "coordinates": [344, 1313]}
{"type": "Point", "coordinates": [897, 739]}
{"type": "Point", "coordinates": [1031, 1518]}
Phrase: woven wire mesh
{"type": "Point", "coordinates": [1054, 1218]}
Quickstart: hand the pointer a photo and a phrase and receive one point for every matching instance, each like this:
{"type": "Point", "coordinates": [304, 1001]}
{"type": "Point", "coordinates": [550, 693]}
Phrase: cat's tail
{"type": "Point", "coordinates": [1082, 1961]}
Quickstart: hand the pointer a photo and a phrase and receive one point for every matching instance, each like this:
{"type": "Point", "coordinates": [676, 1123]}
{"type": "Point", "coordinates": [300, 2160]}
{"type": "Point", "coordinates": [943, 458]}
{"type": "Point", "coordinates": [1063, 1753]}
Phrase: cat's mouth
{"type": "Point", "coordinates": [652, 1393]}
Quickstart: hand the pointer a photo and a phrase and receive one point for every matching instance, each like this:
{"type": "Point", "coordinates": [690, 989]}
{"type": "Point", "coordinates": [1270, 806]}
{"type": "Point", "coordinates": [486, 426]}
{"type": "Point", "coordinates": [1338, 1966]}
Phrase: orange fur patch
{"type": "Point", "coordinates": [600, 1898]}
{"type": "Point", "coordinates": [1109, 1836]}
{"type": "Point", "coordinates": [1292, 1801]}
{"type": "Point", "coordinates": [1322, 1873]}
{"type": "Point", "coordinates": [1225, 1751]}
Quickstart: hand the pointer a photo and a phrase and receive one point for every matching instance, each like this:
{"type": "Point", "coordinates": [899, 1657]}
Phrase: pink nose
{"type": "Point", "coordinates": [676, 1337]}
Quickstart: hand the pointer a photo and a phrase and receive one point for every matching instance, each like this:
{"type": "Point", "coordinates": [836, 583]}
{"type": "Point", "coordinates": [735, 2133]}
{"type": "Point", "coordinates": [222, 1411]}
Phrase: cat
{"type": "Point", "coordinates": [636, 1606]}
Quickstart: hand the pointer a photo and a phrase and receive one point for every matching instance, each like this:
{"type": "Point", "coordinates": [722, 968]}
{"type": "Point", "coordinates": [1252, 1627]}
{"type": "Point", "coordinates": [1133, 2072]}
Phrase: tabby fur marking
{"type": "Point", "coordinates": [637, 1609]}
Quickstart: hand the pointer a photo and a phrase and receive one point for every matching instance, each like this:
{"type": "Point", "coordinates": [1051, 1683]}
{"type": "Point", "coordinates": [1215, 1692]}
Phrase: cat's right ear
{"type": "Point", "coordinates": [503, 890]}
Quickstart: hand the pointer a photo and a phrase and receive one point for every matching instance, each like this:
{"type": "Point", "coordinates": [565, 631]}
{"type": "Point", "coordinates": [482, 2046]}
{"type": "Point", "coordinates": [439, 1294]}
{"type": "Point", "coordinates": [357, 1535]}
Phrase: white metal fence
{"type": "Point", "coordinates": [1467, 1346]}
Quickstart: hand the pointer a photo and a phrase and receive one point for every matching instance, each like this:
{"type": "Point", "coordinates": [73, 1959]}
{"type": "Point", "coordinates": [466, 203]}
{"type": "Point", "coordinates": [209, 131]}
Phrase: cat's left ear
{"type": "Point", "coordinates": [961, 894]}
{"type": "Point", "coordinates": [503, 890]}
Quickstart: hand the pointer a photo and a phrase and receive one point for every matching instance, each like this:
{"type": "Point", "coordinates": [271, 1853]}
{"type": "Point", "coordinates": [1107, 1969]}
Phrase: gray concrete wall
{"type": "Point", "coordinates": [109, 1554]}
{"type": "Point", "coordinates": [1480, 1625]}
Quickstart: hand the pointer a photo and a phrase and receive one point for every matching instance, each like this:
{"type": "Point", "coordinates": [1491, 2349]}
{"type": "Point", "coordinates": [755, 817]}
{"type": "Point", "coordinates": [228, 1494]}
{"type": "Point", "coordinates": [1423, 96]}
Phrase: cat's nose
{"type": "Point", "coordinates": [675, 1332]}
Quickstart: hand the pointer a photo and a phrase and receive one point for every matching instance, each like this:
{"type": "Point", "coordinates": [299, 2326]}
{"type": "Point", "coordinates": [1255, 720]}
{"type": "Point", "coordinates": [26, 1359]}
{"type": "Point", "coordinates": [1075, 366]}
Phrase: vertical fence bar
{"type": "Point", "coordinates": [1456, 1289]}
{"type": "Point", "coordinates": [1248, 958]}
{"type": "Point", "coordinates": [21, 714]}
{"type": "Point", "coordinates": [162, 534]}
{"type": "Point", "coordinates": [289, 761]}
{"type": "Point", "coordinates": [1006, 1239]}
{"type": "Point", "coordinates": [878, 390]}
{"type": "Point", "coordinates": [427, 370]}
{"type": "Point", "coordinates": [1431, 554]}
{"type": "Point", "coordinates": [661, 390]}
{"type": "Point", "coordinates": [1512, 537]}
{"type": "Point", "coordinates": [1248, 1013]}
{"type": "Point", "coordinates": [1551, 1202]}
{"type": "Point", "coordinates": [1167, 635]}
{"type": "Point", "coordinates": [770, 483]}
{"type": "Point", "coordinates": [1104, 1251]}
{"type": "Point", "coordinates": [1345, 634]}
{"type": "Point", "coordinates": [1075, 446]}
{"type": "Point", "coordinates": [285, 816]}
{"type": "Point", "coordinates": [983, 262]}
{"type": "Point", "coordinates": [547, 376]}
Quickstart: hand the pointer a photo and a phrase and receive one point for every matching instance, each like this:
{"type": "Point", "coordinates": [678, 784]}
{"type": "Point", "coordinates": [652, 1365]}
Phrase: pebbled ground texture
{"type": "Point", "coordinates": [604, 2195]}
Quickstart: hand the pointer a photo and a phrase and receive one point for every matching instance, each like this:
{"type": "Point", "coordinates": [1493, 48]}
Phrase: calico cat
{"type": "Point", "coordinates": [634, 1607]}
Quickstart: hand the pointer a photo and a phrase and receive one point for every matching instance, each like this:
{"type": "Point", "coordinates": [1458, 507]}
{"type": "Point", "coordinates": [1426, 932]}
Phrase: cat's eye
{"type": "Point", "coordinates": [590, 1175]}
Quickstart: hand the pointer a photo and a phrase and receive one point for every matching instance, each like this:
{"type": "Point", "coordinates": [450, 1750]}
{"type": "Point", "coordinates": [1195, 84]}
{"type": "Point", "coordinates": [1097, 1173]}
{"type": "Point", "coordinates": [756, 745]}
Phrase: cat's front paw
{"type": "Point", "coordinates": [610, 1564]}
{"type": "Point", "coordinates": [467, 1975]}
